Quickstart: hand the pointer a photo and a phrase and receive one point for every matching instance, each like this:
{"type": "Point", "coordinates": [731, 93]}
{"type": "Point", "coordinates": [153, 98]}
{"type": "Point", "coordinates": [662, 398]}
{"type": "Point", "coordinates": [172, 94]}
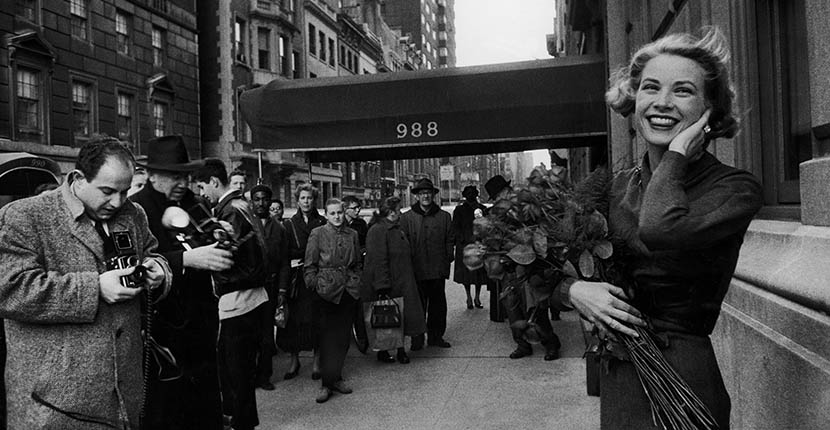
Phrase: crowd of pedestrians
{"type": "Point", "coordinates": [218, 264]}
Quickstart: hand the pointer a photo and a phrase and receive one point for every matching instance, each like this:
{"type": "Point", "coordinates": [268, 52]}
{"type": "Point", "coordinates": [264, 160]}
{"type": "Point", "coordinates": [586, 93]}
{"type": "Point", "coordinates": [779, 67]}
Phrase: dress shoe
{"type": "Point", "coordinates": [324, 395]}
{"type": "Point", "coordinates": [519, 353]}
{"type": "Point", "coordinates": [440, 342]}
{"type": "Point", "coordinates": [402, 357]}
{"type": "Point", "coordinates": [267, 386]}
{"type": "Point", "coordinates": [469, 303]}
{"type": "Point", "coordinates": [384, 357]}
{"type": "Point", "coordinates": [341, 387]}
{"type": "Point", "coordinates": [316, 376]}
{"type": "Point", "coordinates": [292, 373]}
{"type": "Point", "coordinates": [552, 355]}
{"type": "Point", "coordinates": [417, 343]}
{"type": "Point", "coordinates": [478, 304]}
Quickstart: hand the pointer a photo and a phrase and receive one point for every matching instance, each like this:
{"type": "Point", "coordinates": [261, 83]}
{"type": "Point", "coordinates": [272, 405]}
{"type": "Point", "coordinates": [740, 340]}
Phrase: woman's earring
{"type": "Point", "coordinates": [707, 129]}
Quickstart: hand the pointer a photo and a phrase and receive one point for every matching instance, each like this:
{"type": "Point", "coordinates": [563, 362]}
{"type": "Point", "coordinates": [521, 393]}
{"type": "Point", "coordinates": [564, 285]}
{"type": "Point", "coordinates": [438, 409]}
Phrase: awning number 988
{"type": "Point", "coordinates": [417, 130]}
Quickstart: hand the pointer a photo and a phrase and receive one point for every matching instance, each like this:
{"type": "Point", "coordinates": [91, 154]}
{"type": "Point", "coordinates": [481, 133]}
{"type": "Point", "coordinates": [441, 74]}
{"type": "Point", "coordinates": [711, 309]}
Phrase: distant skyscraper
{"type": "Point", "coordinates": [430, 25]}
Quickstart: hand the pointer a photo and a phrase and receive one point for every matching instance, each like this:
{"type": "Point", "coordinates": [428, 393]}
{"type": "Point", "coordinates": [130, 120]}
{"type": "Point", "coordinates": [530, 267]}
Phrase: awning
{"type": "Point", "coordinates": [21, 173]}
{"type": "Point", "coordinates": [508, 107]}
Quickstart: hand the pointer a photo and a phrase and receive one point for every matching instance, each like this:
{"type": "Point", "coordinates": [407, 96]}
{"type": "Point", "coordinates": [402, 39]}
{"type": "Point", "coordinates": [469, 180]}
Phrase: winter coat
{"type": "Point", "coordinates": [388, 266]}
{"type": "Point", "coordinates": [66, 346]}
{"type": "Point", "coordinates": [462, 226]}
{"type": "Point", "coordinates": [431, 238]}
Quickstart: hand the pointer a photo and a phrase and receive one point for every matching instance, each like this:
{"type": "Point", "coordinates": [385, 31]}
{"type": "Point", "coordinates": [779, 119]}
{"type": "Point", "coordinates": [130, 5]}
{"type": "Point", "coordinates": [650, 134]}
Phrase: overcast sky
{"type": "Point", "coordinates": [499, 31]}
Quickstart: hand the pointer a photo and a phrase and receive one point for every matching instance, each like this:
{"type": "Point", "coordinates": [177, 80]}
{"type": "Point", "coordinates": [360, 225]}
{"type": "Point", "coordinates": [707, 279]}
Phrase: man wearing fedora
{"type": "Point", "coordinates": [429, 230]}
{"type": "Point", "coordinates": [186, 321]}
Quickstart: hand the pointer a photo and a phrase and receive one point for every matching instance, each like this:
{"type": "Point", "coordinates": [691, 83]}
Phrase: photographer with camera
{"type": "Point", "coordinates": [241, 292]}
{"type": "Point", "coordinates": [186, 322]}
{"type": "Point", "coordinates": [73, 323]}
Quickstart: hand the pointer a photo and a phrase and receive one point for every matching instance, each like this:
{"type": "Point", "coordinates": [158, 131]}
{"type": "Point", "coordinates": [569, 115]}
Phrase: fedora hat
{"type": "Point", "coordinates": [168, 153]}
{"type": "Point", "coordinates": [424, 184]}
{"type": "Point", "coordinates": [495, 184]}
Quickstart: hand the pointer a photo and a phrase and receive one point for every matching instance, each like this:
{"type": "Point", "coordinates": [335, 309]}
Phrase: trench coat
{"type": "Point", "coordinates": [66, 346]}
{"type": "Point", "coordinates": [388, 265]}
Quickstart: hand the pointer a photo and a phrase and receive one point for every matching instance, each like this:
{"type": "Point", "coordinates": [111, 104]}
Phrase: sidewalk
{"type": "Point", "coordinates": [473, 385]}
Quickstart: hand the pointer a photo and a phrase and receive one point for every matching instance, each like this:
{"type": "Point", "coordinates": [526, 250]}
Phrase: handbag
{"type": "Point", "coordinates": [281, 316]}
{"type": "Point", "coordinates": [383, 339]}
{"type": "Point", "coordinates": [386, 314]}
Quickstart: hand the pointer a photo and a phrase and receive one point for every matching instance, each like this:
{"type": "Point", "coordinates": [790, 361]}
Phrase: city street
{"type": "Point", "coordinates": [473, 385]}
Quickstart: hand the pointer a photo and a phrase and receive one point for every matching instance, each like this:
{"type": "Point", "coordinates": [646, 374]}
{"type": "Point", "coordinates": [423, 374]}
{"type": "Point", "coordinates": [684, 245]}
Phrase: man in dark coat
{"type": "Point", "coordinates": [353, 220]}
{"type": "Point", "coordinates": [241, 292]}
{"type": "Point", "coordinates": [186, 322]}
{"type": "Point", "coordinates": [429, 230]}
{"type": "Point", "coordinates": [278, 266]}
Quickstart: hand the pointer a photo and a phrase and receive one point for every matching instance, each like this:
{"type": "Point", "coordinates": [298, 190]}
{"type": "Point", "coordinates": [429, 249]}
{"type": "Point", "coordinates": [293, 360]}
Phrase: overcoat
{"type": "Point", "coordinates": [431, 238]}
{"type": "Point", "coordinates": [462, 227]}
{"type": "Point", "coordinates": [66, 346]}
{"type": "Point", "coordinates": [388, 265]}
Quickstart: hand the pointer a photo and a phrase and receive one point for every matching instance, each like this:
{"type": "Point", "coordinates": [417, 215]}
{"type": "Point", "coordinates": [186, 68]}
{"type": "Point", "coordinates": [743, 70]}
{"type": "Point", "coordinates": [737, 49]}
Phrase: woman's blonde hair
{"type": "Point", "coordinates": [308, 188]}
{"type": "Point", "coordinates": [711, 52]}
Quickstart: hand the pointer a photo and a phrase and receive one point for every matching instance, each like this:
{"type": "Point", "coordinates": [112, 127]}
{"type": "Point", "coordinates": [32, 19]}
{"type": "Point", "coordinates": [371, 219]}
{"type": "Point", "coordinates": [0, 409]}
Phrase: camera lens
{"type": "Point", "coordinates": [132, 261]}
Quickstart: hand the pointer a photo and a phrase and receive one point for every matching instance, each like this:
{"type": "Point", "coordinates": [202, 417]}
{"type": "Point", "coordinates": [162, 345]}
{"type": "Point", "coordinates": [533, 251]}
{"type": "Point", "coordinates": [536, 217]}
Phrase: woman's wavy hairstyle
{"type": "Point", "coordinates": [711, 52]}
{"type": "Point", "coordinates": [306, 187]}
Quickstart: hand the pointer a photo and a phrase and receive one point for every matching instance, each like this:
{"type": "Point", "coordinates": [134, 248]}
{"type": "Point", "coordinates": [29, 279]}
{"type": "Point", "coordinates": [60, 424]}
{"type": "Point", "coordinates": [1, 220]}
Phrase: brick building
{"type": "Point", "coordinates": [79, 67]}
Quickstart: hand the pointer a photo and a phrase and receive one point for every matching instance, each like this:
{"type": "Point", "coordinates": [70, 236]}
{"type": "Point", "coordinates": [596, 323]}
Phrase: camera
{"type": "Point", "coordinates": [126, 257]}
{"type": "Point", "coordinates": [195, 227]}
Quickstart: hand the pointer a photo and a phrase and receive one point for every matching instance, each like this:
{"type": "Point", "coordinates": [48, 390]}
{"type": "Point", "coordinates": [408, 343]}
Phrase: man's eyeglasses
{"type": "Point", "coordinates": [357, 208]}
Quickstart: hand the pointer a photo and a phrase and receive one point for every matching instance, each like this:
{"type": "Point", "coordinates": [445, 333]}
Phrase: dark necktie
{"type": "Point", "coordinates": [109, 247]}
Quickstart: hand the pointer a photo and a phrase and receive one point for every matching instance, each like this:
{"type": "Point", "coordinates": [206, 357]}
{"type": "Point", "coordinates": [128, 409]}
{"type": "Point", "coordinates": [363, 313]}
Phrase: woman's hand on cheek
{"type": "Point", "coordinates": [690, 141]}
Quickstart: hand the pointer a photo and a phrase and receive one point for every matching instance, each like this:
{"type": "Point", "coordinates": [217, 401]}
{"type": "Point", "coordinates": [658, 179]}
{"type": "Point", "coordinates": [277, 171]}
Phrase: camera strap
{"type": "Point", "coordinates": [109, 247]}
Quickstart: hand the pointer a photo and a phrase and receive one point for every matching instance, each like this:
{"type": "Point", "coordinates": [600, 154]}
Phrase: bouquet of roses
{"type": "Point", "coordinates": [548, 230]}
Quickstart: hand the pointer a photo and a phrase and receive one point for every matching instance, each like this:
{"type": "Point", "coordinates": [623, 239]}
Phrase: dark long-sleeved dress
{"type": "Point", "coordinates": [300, 333]}
{"type": "Point", "coordinates": [462, 226]}
{"type": "Point", "coordinates": [684, 225]}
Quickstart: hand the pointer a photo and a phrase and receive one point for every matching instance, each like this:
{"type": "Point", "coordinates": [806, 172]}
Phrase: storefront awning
{"type": "Point", "coordinates": [434, 113]}
{"type": "Point", "coordinates": [21, 173]}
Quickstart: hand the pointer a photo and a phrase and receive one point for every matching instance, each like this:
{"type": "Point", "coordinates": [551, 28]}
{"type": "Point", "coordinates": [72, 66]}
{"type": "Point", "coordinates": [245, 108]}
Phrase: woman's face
{"type": "Point", "coordinates": [670, 98]}
{"type": "Point", "coordinates": [334, 214]}
{"type": "Point", "coordinates": [394, 214]}
{"type": "Point", "coordinates": [305, 201]}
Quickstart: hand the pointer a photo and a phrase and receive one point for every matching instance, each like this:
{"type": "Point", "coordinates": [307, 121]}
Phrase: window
{"type": "Point", "coordinates": [322, 38]}
{"type": "Point", "coordinates": [239, 41]}
{"type": "Point", "coordinates": [295, 57]}
{"type": "Point", "coordinates": [243, 132]}
{"type": "Point", "coordinates": [342, 55]}
{"type": "Point", "coordinates": [80, 22]}
{"type": "Point", "coordinates": [29, 104]}
{"type": "Point", "coordinates": [264, 48]}
{"type": "Point", "coordinates": [158, 46]}
{"type": "Point", "coordinates": [161, 111]}
{"type": "Point", "coordinates": [312, 39]}
{"type": "Point", "coordinates": [83, 109]}
{"type": "Point", "coordinates": [285, 66]}
{"type": "Point", "coordinates": [125, 121]}
{"type": "Point", "coordinates": [28, 10]}
{"type": "Point", "coordinates": [122, 33]}
{"type": "Point", "coordinates": [784, 97]}
{"type": "Point", "coordinates": [331, 53]}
